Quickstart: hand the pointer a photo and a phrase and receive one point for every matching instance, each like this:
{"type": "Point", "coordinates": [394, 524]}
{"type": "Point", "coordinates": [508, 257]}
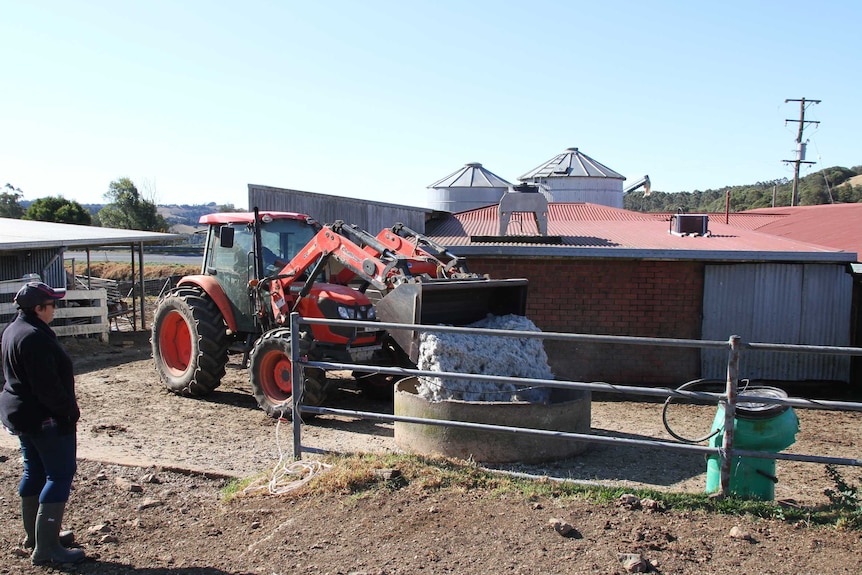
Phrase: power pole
{"type": "Point", "coordinates": [800, 147]}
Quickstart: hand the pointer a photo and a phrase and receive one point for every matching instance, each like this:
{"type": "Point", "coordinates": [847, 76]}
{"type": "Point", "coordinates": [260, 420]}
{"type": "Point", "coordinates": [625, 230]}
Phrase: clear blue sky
{"type": "Point", "coordinates": [194, 100]}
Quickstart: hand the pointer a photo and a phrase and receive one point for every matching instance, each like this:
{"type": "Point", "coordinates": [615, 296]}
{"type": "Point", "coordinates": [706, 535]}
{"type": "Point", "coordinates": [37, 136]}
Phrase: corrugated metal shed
{"type": "Point", "coordinates": [763, 287]}
{"type": "Point", "coordinates": [368, 215]}
{"type": "Point", "coordinates": [614, 232]}
{"type": "Point", "coordinates": [778, 303]}
{"type": "Point", "coordinates": [47, 263]}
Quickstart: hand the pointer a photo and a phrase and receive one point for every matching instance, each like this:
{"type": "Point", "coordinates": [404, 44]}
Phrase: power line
{"type": "Point", "coordinates": [800, 146]}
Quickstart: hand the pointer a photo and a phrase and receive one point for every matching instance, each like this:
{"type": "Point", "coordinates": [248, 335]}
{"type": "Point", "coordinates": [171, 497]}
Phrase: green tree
{"type": "Point", "coordinates": [58, 209]}
{"type": "Point", "coordinates": [821, 187]}
{"type": "Point", "coordinates": [128, 210]}
{"type": "Point", "coordinates": [837, 175]}
{"type": "Point", "coordinates": [813, 191]}
{"type": "Point", "coordinates": [9, 202]}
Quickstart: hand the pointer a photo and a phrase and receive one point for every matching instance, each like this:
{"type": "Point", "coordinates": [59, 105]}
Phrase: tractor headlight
{"type": "Point", "coordinates": [370, 313]}
{"type": "Point", "coordinates": [345, 312]}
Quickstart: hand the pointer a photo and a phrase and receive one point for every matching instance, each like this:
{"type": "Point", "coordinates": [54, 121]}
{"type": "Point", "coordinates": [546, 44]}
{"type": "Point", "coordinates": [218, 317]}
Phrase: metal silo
{"type": "Point", "coordinates": [575, 177]}
{"type": "Point", "coordinates": [468, 188]}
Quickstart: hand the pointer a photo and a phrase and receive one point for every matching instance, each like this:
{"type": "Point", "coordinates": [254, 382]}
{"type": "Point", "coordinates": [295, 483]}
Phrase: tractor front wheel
{"type": "Point", "coordinates": [271, 376]}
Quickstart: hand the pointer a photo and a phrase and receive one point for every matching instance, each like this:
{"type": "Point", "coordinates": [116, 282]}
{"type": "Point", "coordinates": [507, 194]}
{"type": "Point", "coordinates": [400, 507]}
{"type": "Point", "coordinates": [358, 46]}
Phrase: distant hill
{"type": "Point", "coordinates": [186, 214]}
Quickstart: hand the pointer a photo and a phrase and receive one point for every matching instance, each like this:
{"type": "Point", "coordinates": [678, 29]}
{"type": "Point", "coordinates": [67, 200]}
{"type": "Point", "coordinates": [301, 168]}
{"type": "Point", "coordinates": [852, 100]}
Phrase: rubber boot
{"type": "Point", "coordinates": [29, 509]}
{"type": "Point", "coordinates": [48, 548]}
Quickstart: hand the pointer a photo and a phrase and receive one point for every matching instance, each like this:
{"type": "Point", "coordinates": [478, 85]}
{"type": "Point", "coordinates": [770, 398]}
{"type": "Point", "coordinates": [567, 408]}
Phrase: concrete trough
{"type": "Point", "coordinates": [568, 411]}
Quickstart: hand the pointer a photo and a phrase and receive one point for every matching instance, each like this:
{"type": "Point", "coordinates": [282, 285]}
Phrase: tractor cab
{"type": "Point", "coordinates": [231, 253]}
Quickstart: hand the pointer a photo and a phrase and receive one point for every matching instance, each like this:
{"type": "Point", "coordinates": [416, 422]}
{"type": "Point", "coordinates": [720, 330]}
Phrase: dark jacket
{"type": "Point", "coordinates": [40, 382]}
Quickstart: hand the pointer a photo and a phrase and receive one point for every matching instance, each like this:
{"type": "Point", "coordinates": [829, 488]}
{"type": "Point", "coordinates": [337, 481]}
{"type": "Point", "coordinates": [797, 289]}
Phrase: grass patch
{"type": "Point", "coordinates": [363, 476]}
{"type": "Point", "coordinates": [845, 500]}
{"type": "Point", "coordinates": [235, 487]}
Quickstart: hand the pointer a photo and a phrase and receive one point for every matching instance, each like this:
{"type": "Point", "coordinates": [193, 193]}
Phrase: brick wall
{"type": "Point", "coordinates": [612, 297]}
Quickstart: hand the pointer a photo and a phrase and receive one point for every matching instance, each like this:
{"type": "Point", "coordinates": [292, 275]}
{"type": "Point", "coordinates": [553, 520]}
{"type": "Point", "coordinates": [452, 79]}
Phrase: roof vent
{"type": "Point", "coordinates": [689, 224]}
{"type": "Point", "coordinates": [524, 198]}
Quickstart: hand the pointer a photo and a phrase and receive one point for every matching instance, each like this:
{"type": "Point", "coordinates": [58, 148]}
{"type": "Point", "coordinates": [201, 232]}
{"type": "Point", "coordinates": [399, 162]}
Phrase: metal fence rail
{"type": "Point", "coordinates": [729, 399]}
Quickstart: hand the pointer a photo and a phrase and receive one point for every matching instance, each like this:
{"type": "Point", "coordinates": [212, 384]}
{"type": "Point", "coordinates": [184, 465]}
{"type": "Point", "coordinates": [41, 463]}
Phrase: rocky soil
{"type": "Point", "coordinates": [147, 498]}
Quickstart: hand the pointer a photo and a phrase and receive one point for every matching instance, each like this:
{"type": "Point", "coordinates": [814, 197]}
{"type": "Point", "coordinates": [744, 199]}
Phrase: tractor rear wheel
{"type": "Point", "coordinates": [271, 376]}
{"type": "Point", "coordinates": [189, 342]}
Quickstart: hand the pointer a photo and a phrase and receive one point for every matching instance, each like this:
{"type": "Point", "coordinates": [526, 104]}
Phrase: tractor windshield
{"type": "Point", "coordinates": [281, 241]}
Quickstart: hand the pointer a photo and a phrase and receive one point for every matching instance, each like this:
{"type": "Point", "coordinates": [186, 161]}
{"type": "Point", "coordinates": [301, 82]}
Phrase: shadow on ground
{"type": "Point", "coordinates": [637, 464]}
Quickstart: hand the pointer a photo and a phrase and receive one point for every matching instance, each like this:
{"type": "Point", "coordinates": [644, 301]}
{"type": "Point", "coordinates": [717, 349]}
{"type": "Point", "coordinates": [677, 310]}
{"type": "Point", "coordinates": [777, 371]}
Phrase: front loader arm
{"type": "Point", "coordinates": [328, 243]}
{"type": "Point", "coordinates": [401, 239]}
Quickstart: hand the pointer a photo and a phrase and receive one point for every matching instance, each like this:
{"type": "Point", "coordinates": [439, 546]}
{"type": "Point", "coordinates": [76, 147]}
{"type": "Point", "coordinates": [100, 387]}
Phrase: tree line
{"type": "Point", "coordinates": [830, 185]}
{"type": "Point", "coordinates": [127, 209]}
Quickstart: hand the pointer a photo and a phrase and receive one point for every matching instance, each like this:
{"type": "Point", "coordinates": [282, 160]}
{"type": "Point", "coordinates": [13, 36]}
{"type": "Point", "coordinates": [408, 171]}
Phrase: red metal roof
{"type": "Point", "coordinates": [595, 226]}
{"type": "Point", "coordinates": [837, 226]}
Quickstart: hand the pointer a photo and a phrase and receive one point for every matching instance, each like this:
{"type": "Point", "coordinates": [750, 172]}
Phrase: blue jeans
{"type": "Point", "coordinates": [49, 465]}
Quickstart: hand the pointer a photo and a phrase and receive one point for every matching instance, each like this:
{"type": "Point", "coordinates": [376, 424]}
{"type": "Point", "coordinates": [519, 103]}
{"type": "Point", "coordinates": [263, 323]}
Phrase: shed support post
{"type": "Point", "coordinates": [134, 300]}
{"type": "Point", "coordinates": [143, 291]}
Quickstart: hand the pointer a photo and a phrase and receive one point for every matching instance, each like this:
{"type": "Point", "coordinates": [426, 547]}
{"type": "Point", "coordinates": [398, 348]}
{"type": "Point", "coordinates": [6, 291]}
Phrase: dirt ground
{"type": "Point", "coordinates": [147, 497]}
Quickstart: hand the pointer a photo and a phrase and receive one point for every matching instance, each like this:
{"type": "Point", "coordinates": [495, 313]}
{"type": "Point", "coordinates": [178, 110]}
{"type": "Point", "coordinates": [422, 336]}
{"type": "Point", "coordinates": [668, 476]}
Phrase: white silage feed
{"type": "Point", "coordinates": [485, 355]}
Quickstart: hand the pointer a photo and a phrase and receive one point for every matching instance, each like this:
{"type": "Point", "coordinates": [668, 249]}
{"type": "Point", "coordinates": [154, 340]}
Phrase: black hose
{"type": "Point", "coordinates": [667, 402]}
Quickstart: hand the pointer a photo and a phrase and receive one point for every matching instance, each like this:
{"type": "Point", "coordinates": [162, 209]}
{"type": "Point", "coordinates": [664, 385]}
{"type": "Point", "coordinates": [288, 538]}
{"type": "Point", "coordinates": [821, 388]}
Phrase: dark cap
{"type": "Point", "coordinates": [37, 293]}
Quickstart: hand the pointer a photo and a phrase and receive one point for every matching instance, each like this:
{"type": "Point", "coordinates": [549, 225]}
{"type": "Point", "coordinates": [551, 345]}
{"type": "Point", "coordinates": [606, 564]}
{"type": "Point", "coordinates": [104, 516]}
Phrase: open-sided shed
{"type": "Point", "coordinates": [30, 247]}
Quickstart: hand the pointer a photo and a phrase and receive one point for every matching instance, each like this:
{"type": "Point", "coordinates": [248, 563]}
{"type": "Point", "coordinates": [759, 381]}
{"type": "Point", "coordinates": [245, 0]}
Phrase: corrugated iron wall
{"type": "Point", "coordinates": [778, 303]}
{"type": "Point", "coordinates": [48, 263]}
{"type": "Point", "coordinates": [370, 216]}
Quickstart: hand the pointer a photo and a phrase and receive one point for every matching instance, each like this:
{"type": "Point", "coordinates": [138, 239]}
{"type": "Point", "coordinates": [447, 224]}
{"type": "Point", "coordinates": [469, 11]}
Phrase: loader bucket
{"type": "Point", "coordinates": [449, 302]}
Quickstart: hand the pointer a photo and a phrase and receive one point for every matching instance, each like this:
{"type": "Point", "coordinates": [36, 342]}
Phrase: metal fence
{"type": "Point", "coordinates": [152, 287]}
{"type": "Point", "coordinates": [729, 399]}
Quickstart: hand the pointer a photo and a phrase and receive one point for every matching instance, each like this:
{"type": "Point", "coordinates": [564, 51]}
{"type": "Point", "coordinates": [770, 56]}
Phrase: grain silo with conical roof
{"type": "Point", "coordinates": [572, 176]}
{"type": "Point", "coordinates": [468, 188]}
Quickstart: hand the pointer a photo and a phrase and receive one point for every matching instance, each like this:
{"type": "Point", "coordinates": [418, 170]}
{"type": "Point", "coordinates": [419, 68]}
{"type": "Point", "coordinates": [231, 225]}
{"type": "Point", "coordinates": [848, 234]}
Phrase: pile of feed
{"type": "Point", "coordinates": [484, 355]}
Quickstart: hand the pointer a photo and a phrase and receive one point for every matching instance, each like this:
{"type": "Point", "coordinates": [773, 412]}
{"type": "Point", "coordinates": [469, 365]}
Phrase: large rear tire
{"type": "Point", "coordinates": [271, 379]}
{"type": "Point", "coordinates": [189, 342]}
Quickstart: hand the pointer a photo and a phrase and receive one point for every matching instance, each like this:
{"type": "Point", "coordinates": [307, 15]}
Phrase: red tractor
{"type": "Point", "coordinates": [258, 267]}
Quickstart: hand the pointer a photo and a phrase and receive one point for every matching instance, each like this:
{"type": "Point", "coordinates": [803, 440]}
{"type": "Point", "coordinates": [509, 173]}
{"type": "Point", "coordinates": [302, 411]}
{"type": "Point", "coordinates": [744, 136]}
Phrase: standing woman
{"type": "Point", "coordinates": [38, 405]}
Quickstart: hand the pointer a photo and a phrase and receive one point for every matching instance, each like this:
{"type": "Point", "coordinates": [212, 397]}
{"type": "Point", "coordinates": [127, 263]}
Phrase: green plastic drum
{"type": "Point", "coordinates": [757, 427]}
